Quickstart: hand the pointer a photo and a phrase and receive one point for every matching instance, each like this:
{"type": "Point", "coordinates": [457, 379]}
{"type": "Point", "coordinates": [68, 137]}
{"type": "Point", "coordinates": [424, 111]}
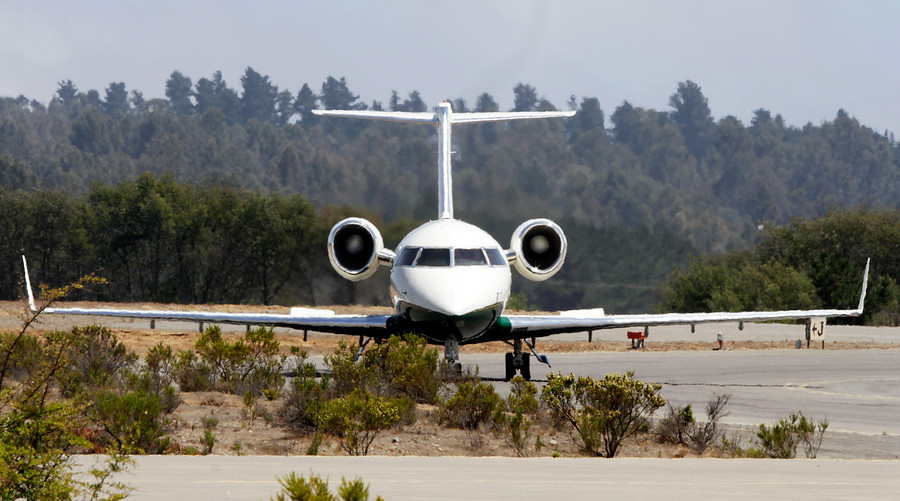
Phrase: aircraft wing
{"type": "Point", "coordinates": [299, 318]}
{"type": "Point", "coordinates": [524, 326]}
{"type": "Point", "coordinates": [307, 319]}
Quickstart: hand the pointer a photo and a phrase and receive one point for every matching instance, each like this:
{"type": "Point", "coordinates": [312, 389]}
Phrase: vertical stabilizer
{"type": "Point", "coordinates": [443, 118]}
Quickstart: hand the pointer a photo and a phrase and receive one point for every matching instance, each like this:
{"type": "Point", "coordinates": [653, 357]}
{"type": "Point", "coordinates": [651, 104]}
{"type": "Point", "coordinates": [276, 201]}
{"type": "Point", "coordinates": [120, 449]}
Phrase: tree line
{"type": "Point", "coordinates": [679, 172]}
{"type": "Point", "coordinates": [814, 263]}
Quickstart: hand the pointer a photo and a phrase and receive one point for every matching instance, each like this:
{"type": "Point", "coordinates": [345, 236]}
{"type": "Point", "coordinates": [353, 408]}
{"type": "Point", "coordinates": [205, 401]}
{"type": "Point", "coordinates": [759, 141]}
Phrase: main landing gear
{"type": "Point", "coordinates": [520, 362]}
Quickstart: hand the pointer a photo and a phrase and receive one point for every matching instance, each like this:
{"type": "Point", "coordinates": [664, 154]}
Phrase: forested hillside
{"type": "Point", "coordinates": [638, 190]}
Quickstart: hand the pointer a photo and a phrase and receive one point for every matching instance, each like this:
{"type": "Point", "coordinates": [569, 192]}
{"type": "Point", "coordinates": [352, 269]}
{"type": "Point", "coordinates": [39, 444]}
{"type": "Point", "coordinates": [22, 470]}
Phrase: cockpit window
{"type": "Point", "coordinates": [434, 257]}
{"type": "Point", "coordinates": [468, 257]}
{"type": "Point", "coordinates": [495, 257]}
{"type": "Point", "coordinates": [407, 256]}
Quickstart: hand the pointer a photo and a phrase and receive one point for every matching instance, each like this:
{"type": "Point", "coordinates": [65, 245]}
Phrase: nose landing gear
{"type": "Point", "coordinates": [521, 362]}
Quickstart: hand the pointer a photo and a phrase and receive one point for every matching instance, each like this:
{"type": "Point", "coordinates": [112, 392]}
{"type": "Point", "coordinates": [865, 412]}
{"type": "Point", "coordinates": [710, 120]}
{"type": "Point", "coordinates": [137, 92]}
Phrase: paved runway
{"type": "Point", "coordinates": [200, 478]}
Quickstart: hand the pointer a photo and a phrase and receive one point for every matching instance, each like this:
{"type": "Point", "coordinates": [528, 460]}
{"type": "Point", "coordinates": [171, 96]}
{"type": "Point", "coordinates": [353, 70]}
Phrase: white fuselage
{"type": "Point", "coordinates": [449, 270]}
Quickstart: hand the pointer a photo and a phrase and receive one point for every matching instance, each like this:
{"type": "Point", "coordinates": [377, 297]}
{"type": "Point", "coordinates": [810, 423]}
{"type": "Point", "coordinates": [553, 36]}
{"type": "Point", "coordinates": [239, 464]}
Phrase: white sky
{"type": "Point", "coordinates": [804, 59]}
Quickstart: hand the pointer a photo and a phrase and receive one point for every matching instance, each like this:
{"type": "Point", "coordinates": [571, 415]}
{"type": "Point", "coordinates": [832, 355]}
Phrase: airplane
{"type": "Point", "coordinates": [450, 280]}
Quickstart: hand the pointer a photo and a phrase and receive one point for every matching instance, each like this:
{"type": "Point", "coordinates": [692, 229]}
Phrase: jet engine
{"type": "Point", "coordinates": [540, 249]}
{"type": "Point", "coordinates": [355, 248]}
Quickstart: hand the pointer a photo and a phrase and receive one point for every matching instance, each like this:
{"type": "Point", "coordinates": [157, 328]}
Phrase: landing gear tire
{"type": "Point", "coordinates": [510, 367]}
{"type": "Point", "coordinates": [524, 370]}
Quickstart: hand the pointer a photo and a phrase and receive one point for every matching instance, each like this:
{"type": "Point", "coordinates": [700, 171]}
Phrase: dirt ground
{"type": "Point", "coordinates": [254, 430]}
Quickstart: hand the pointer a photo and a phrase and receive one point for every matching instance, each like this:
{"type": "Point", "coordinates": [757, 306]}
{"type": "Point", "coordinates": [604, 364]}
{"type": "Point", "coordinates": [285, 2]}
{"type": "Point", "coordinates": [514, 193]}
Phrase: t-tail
{"type": "Point", "coordinates": [443, 117]}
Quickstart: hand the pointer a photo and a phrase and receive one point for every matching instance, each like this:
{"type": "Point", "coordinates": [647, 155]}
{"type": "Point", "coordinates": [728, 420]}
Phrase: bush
{"type": "Point", "coordinates": [97, 358]}
{"type": "Point", "coordinates": [294, 488]}
{"type": "Point", "coordinates": [609, 410]}
{"type": "Point", "coordinates": [399, 366]}
{"type": "Point", "coordinates": [134, 420]}
{"type": "Point", "coordinates": [702, 436]}
{"type": "Point", "coordinates": [558, 396]}
{"type": "Point", "coordinates": [24, 351]}
{"type": "Point", "coordinates": [784, 437]}
{"type": "Point", "coordinates": [675, 426]}
{"type": "Point", "coordinates": [357, 418]}
{"type": "Point", "coordinates": [515, 425]}
{"type": "Point", "coordinates": [38, 434]}
{"type": "Point", "coordinates": [251, 363]}
{"type": "Point", "coordinates": [191, 373]}
{"type": "Point", "coordinates": [473, 404]}
{"type": "Point", "coordinates": [407, 366]}
{"type": "Point", "coordinates": [304, 403]}
{"type": "Point", "coordinates": [678, 426]}
{"type": "Point", "coordinates": [613, 409]}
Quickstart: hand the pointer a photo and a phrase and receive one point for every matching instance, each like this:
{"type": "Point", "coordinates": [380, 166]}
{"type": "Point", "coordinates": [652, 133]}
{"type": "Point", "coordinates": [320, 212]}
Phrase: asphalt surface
{"type": "Point", "coordinates": [201, 478]}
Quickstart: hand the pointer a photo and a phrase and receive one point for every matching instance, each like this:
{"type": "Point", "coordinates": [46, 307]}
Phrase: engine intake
{"type": "Point", "coordinates": [540, 249]}
{"type": "Point", "coordinates": [354, 248]}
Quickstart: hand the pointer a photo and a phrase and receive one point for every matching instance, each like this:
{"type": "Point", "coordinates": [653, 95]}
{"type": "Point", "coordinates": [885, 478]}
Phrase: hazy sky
{"type": "Point", "coordinates": [803, 59]}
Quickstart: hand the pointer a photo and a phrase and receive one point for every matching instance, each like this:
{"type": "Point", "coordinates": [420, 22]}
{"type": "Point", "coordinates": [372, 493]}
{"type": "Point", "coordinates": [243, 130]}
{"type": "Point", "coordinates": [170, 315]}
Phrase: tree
{"type": "Point", "coordinates": [67, 93]}
{"type": "Point", "coordinates": [526, 98]}
{"type": "Point", "coordinates": [179, 92]}
{"type": "Point", "coordinates": [337, 96]}
{"type": "Point", "coordinates": [693, 117]}
{"type": "Point", "coordinates": [215, 93]}
{"type": "Point", "coordinates": [116, 99]}
{"type": "Point", "coordinates": [485, 102]}
{"type": "Point", "coordinates": [260, 97]}
{"type": "Point", "coordinates": [304, 104]}
{"type": "Point", "coordinates": [589, 117]}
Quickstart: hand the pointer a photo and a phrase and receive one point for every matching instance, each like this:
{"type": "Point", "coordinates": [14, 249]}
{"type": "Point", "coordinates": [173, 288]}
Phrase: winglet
{"type": "Point", "coordinates": [862, 295]}
{"type": "Point", "coordinates": [28, 285]}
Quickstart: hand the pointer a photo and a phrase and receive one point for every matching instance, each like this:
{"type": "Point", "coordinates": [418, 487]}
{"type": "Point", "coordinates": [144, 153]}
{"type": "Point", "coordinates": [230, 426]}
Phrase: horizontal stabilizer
{"type": "Point", "coordinates": [432, 118]}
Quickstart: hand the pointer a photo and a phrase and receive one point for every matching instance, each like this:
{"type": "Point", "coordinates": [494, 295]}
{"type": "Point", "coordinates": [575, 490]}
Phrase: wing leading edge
{"type": "Point", "coordinates": [545, 325]}
{"type": "Point", "coordinates": [299, 318]}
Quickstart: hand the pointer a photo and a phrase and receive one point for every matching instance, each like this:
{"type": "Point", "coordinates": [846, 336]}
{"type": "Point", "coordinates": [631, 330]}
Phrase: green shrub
{"type": "Point", "coordinates": [398, 366]}
{"type": "Point", "coordinates": [473, 404]}
{"type": "Point", "coordinates": [522, 395]}
{"type": "Point", "coordinates": [558, 396]}
{"type": "Point", "coordinates": [294, 488]}
{"type": "Point", "coordinates": [190, 372]}
{"type": "Point", "coordinates": [407, 366]}
{"type": "Point", "coordinates": [24, 351]}
{"type": "Point", "coordinates": [134, 420]}
{"type": "Point", "coordinates": [784, 437]}
{"type": "Point", "coordinates": [305, 400]}
{"type": "Point", "coordinates": [675, 425]}
{"type": "Point", "coordinates": [613, 409]}
{"type": "Point", "coordinates": [251, 363]}
{"type": "Point", "coordinates": [96, 360]}
{"type": "Point", "coordinates": [515, 424]}
{"type": "Point", "coordinates": [603, 412]}
{"type": "Point", "coordinates": [357, 418]}
{"type": "Point", "coordinates": [160, 367]}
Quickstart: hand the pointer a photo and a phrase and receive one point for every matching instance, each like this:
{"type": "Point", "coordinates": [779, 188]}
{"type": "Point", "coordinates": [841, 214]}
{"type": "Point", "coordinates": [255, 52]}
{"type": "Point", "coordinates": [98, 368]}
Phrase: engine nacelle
{"type": "Point", "coordinates": [355, 248]}
{"type": "Point", "coordinates": [540, 249]}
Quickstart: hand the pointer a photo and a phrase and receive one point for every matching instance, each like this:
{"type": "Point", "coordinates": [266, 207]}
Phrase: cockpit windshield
{"type": "Point", "coordinates": [468, 257]}
{"type": "Point", "coordinates": [434, 257]}
{"type": "Point", "coordinates": [443, 257]}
